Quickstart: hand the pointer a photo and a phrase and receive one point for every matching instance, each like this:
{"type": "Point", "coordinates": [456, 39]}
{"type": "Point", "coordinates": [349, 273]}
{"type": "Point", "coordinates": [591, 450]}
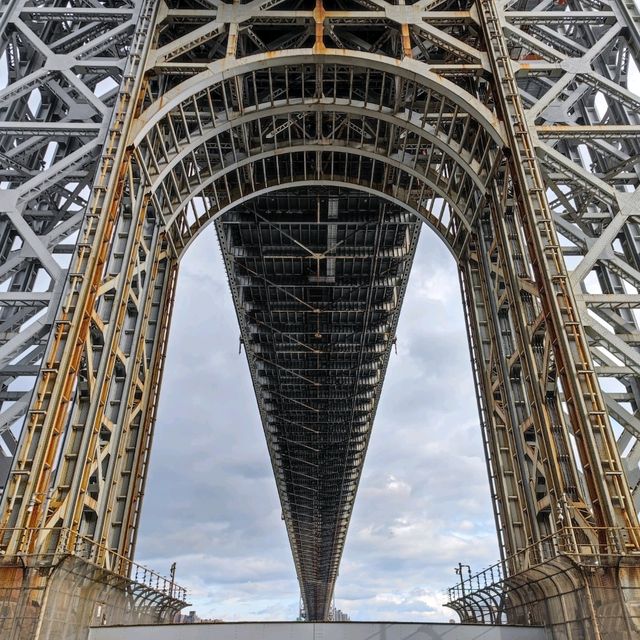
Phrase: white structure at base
{"type": "Point", "coordinates": [318, 631]}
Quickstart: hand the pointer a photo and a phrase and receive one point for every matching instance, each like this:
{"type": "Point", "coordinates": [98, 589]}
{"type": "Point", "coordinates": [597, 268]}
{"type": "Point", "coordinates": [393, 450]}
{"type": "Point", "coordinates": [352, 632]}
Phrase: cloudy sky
{"type": "Point", "coordinates": [423, 503]}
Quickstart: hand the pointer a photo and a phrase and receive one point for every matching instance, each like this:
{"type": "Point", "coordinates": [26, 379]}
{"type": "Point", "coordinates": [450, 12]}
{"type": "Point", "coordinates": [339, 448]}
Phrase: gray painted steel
{"type": "Point", "coordinates": [318, 631]}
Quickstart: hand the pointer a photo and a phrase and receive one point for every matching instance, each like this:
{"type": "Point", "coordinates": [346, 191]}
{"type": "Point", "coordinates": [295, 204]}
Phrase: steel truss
{"type": "Point", "coordinates": [510, 128]}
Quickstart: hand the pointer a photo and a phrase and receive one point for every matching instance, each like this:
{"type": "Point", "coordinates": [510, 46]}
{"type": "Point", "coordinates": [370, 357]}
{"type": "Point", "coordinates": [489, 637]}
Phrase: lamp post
{"type": "Point", "coordinates": [458, 570]}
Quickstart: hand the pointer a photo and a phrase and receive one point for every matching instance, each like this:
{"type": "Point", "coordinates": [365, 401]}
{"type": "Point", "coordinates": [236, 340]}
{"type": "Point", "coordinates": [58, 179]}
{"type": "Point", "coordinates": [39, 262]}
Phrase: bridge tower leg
{"type": "Point", "coordinates": [69, 79]}
{"type": "Point", "coordinates": [510, 128]}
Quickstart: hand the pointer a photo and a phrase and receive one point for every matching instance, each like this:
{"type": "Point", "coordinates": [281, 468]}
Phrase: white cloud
{"type": "Point", "coordinates": [423, 504]}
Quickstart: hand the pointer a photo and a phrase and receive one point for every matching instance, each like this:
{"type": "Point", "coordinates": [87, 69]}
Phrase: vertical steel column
{"type": "Point", "coordinates": [27, 502]}
{"type": "Point", "coordinates": [608, 490]}
{"type": "Point", "coordinates": [60, 68]}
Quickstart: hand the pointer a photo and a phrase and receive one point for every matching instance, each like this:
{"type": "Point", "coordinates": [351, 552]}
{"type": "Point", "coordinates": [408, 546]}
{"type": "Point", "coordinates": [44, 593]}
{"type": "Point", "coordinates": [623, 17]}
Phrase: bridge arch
{"type": "Point", "coordinates": [412, 71]}
{"type": "Point", "coordinates": [224, 133]}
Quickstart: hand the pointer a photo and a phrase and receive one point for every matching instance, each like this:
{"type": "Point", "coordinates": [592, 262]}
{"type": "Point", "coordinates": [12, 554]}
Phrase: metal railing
{"type": "Point", "coordinates": [590, 546]}
{"type": "Point", "coordinates": [49, 544]}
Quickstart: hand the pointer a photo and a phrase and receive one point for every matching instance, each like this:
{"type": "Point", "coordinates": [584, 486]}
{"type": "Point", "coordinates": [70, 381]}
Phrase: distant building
{"type": "Point", "coordinates": [189, 618]}
{"type": "Point", "coordinates": [193, 618]}
{"type": "Point", "coordinates": [340, 616]}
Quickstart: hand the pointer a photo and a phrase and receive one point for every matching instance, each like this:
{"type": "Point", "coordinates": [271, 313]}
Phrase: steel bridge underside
{"type": "Point", "coordinates": [127, 125]}
{"type": "Point", "coordinates": [318, 277]}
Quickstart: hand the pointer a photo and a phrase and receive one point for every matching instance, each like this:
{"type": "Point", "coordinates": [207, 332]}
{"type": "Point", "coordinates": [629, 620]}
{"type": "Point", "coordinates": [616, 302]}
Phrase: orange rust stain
{"type": "Point", "coordinates": [406, 40]}
{"type": "Point", "coordinates": [319, 15]}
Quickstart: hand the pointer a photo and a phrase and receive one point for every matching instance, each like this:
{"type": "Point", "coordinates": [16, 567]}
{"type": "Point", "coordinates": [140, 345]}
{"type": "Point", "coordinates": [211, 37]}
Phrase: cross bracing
{"type": "Point", "coordinates": [510, 128]}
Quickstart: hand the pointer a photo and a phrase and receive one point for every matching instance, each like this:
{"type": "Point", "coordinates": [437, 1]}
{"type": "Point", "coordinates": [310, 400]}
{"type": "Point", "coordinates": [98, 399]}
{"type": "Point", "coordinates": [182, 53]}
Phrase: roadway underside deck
{"type": "Point", "coordinates": [318, 276]}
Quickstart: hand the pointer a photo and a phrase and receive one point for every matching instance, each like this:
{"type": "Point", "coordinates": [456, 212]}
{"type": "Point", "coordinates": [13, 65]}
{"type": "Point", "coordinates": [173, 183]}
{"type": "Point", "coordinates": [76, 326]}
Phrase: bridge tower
{"type": "Point", "coordinates": [510, 127]}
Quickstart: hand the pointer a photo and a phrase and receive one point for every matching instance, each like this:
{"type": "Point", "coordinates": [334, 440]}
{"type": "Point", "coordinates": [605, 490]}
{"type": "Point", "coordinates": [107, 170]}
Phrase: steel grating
{"type": "Point", "coordinates": [318, 278]}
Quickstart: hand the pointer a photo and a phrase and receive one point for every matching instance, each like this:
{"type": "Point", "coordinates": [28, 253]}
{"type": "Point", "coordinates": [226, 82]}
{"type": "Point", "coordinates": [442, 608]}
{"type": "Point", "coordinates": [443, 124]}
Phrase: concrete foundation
{"type": "Point", "coordinates": [61, 600]}
{"type": "Point", "coordinates": [573, 599]}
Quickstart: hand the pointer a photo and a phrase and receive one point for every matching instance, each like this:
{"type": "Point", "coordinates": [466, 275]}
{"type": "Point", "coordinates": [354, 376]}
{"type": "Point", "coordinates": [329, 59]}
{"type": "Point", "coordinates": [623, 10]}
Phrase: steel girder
{"type": "Point", "coordinates": [508, 127]}
{"type": "Point", "coordinates": [317, 276]}
{"type": "Point", "coordinates": [60, 71]}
